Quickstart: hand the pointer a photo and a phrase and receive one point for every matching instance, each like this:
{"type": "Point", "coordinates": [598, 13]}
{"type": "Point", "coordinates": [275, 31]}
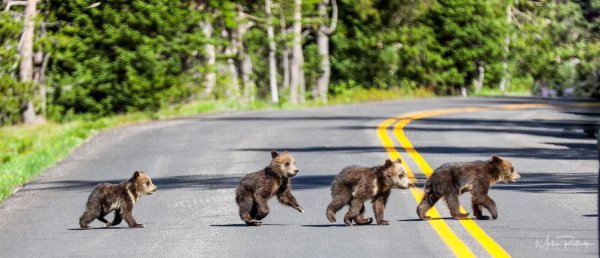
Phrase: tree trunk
{"type": "Point", "coordinates": [323, 81]}
{"type": "Point", "coordinates": [598, 146]}
{"type": "Point", "coordinates": [232, 90]}
{"type": "Point", "coordinates": [42, 83]}
{"type": "Point", "coordinates": [272, 62]}
{"type": "Point", "coordinates": [480, 76]}
{"type": "Point", "coordinates": [249, 85]}
{"type": "Point", "coordinates": [323, 46]}
{"type": "Point", "coordinates": [302, 77]}
{"type": "Point", "coordinates": [40, 61]}
{"type": "Point", "coordinates": [26, 53]}
{"type": "Point", "coordinates": [285, 60]}
{"type": "Point", "coordinates": [505, 74]}
{"type": "Point", "coordinates": [211, 56]}
{"type": "Point", "coordinates": [297, 72]}
{"type": "Point", "coordinates": [245, 62]}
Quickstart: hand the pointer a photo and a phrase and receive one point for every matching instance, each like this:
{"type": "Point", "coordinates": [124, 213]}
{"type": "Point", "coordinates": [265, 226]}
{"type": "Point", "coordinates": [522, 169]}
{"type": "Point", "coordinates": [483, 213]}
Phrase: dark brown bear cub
{"type": "Point", "coordinates": [355, 184]}
{"type": "Point", "coordinates": [451, 180]}
{"type": "Point", "coordinates": [120, 198]}
{"type": "Point", "coordinates": [257, 188]}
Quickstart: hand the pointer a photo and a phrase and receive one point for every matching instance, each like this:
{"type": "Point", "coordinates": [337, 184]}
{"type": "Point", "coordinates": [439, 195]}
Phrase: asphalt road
{"type": "Point", "coordinates": [197, 162]}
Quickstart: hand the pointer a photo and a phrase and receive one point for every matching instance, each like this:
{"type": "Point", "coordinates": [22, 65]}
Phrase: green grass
{"type": "Point", "coordinates": [486, 92]}
{"type": "Point", "coordinates": [26, 150]}
{"type": "Point", "coordinates": [355, 95]}
{"type": "Point", "coordinates": [518, 87]}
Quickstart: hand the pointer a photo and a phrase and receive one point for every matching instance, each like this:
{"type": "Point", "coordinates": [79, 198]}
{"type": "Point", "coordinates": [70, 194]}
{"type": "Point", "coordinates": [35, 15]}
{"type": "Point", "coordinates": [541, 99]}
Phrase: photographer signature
{"type": "Point", "coordinates": [562, 243]}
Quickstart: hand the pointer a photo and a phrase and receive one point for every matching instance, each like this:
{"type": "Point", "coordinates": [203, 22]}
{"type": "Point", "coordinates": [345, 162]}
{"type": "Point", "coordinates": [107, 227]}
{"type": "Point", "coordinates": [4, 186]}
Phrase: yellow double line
{"type": "Point", "coordinates": [448, 236]}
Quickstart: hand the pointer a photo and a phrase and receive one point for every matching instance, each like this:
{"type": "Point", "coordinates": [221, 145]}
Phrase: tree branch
{"type": "Point", "coordinates": [516, 11]}
{"type": "Point", "coordinates": [11, 3]}
{"type": "Point", "coordinates": [254, 18]}
{"type": "Point", "coordinates": [331, 28]}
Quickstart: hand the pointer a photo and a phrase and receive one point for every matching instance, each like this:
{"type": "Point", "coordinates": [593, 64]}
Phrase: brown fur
{"type": "Point", "coordinates": [257, 188]}
{"type": "Point", "coordinates": [451, 180]}
{"type": "Point", "coordinates": [120, 198]}
{"type": "Point", "coordinates": [355, 184]}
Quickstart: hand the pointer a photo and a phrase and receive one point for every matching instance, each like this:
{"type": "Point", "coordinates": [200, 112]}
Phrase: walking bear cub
{"type": "Point", "coordinates": [257, 188]}
{"type": "Point", "coordinates": [120, 198]}
{"type": "Point", "coordinates": [451, 180]}
{"type": "Point", "coordinates": [355, 184]}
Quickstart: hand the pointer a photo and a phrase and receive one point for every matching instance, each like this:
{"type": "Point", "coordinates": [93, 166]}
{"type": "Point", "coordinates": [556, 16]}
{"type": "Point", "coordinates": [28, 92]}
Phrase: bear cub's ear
{"type": "Point", "coordinates": [274, 154]}
{"type": "Point", "coordinates": [496, 159]}
{"type": "Point", "coordinates": [388, 163]}
{"type": "Point", "coordinates": [135, 176]}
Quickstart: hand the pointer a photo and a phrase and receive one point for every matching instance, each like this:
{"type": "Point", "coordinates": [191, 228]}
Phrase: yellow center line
{"type": "Point", "coordinates": [476, 232]}
{"type": "Point", "coordinates": [456, 245]}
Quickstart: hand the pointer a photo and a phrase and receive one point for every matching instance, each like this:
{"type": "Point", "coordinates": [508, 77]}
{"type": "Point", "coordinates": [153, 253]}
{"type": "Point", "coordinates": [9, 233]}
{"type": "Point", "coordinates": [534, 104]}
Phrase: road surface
{"type": "Point", "coordinates": [197, 162]}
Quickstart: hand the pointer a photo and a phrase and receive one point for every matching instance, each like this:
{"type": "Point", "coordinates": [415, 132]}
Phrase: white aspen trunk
{"type": "Point", "coordinates": [244, 60]}
{"type": "Point", "coordinates": [296, 67]}
{"type": "Point", "coordinates": [323, 46]}
{"type": "Point", "coordinates": [211, 56]}
{"type": "Point", "coordinates": [302, 78]}
{"type": "Point", "coordinates": [323, 81]}
{"type": "Point", "coordinates": [233, 88]}
{"type": "Point", "coordinates": [26, 53]}
{"type": "Point", "coordinates": [249, 86]}
{"type": "Point", "coordinates": [480, 76]}
{"type": "Point", "coordinates": [463, 92]}
{"type": "Point", "coordinates": [598, 151]}
{"type": "Point", "coordinates": [481, 71]}
{"type": "Point", "coordinates": [42, 83]}
{"type": "Point", "coordinates": [505, 74]}
{"type": "Point", "coordinates": [40, 61]}
{"type": "Point", "coordinates": [272, 62]}
{"type": "Point", "coordinates": [285, 60]}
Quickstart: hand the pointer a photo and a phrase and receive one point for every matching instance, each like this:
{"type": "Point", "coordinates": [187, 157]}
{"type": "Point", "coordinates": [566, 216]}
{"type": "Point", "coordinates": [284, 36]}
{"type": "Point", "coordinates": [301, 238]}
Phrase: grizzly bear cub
{"type": "Point", "coordinates": [120, 198]}
{"type": "Point", "coordinates": [450, 180]}
{"type": "Point", "coordinates": [257, 188]}
{"type": "Point", "coordinates": [355, 184]}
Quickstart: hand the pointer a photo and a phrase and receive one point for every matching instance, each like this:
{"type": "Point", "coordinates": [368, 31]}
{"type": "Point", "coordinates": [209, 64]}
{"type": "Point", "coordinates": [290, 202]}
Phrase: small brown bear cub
{"type": "Point", "coordinates": [120, 198]}
{"type": "Point", "coordinates": [451, 180]}
{"type": "Point", "coordinates": [257, 188]}
{"type": "Point", "coordinates": [355, 184]}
